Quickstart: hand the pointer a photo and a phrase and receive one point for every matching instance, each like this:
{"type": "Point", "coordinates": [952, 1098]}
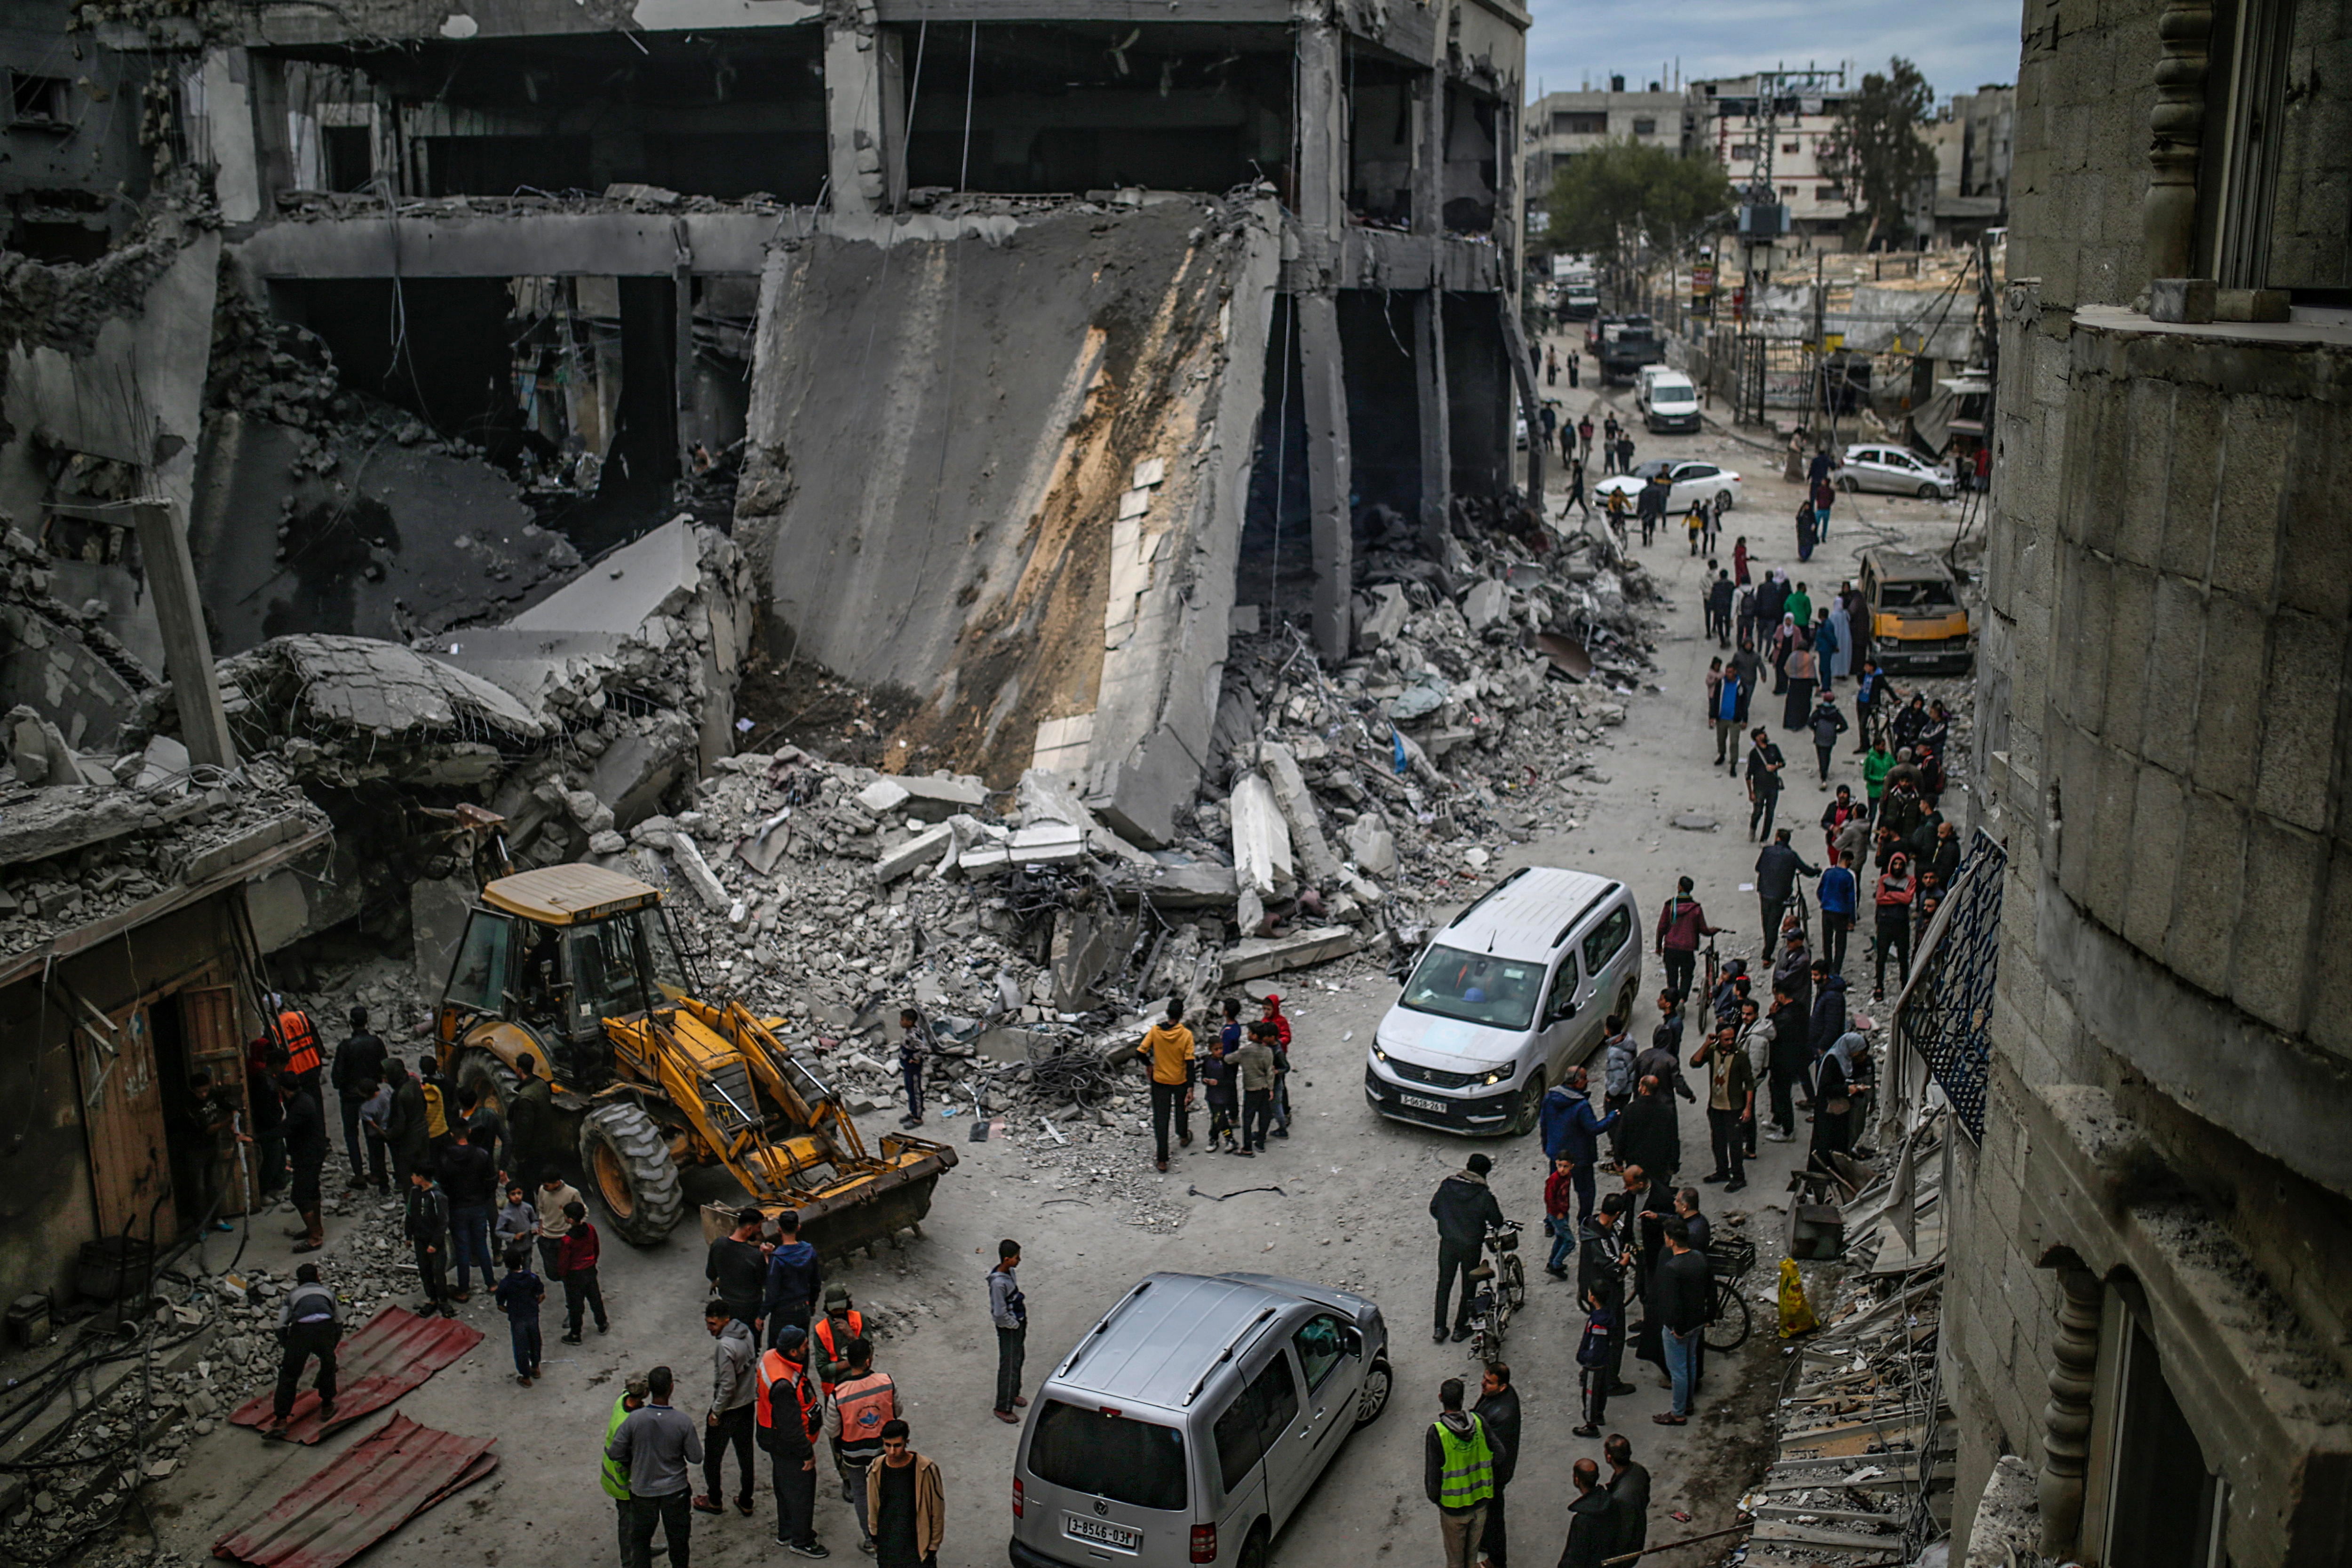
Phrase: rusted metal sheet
{"type": "Point", "coordinates": [375, 1487]}
{"type": "Point", "coordinates": [392, 1352]}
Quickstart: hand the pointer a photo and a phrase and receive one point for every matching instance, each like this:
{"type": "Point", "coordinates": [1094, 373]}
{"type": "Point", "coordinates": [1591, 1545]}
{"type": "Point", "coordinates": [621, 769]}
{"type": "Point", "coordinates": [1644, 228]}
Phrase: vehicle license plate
{"type": "Point", "coordinates": [1417, 1103]}
{"type": "Point", "coordinates": [1101, 1529]}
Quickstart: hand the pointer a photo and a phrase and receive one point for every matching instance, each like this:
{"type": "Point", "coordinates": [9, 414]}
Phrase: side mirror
{"type": "Point", "coordinates": [1352, 1340]}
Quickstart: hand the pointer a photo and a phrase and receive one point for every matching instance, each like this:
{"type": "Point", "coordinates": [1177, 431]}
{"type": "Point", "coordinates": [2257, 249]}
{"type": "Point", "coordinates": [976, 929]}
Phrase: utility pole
{"type": "Point", "coordinates": [1763, 217]}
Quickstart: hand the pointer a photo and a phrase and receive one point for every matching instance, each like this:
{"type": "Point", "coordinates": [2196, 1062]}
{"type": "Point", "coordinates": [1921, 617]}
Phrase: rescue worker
{"type": "Point", "coordinates": [786, 1418]}
{"type": "Point", "coordinates": [1458, 1473]}
{"type": "Point", "coordinates": [855, 1410]}
{"type": "Point", "coordinates": [834, 1334]}
{"type": "Point", "coordinates": [310, 1324]}
{"type": "Point", "coordinates": [615, 1475]}
{"type": "Point", "coordinates": [299, 1038]}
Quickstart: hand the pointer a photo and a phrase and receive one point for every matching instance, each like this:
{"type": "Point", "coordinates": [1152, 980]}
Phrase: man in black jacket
{"type": "Point", "coordinates": [1464, 1208]}
{"type": "Point", "coordinates": [1600, 1266]}
{"type": "Point", "coordinates": [1498, 1407]}
{"type": "Point", "coordinates": [1628, 1484]}
{"type": "Point", "coordinates": [471, 1183]}
{"type": "Point", "coordinates": [426, 1225]}
{"type": "Point", "coordinates": [1790, 1057]}
{"type": "Point", "coordinates": [1718, 607]}
{"type": "Point", "coordinates": [358, 1061]}
{"type": "Point", "coordinates": [1777, 869]}
{"type": "Point", "coordinates": [1682, 1297]}
{"type": "Point", "coordinates": [1765, 765]}
{"type": "Point", "coordinates": [307, 1148]}
{"type": "Point", "coordinates": [408, 1135]}
{"type": "Point", "coordinates": [1592, 1526]}
{"type": "Point", "coordinates": [1650, 1138]}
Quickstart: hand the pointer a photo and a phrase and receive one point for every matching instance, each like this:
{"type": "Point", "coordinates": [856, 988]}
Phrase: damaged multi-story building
{"type": "Point", "coordinates": [2144, 1023]}
{"type": "Point", "coordinates": [542, 400]}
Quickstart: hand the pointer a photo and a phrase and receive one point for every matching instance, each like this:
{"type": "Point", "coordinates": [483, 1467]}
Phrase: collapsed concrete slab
{"type": "Point", "coordinates": [1296, 802]}
{"type": "Point", "coordinates": [929, 799]}
{"type": "Point", "coordinates": [1273, 955]}
{"type": "Point", "coordinates": [1261, 838]}
{"type": "Point", "coordinates": [1080, 351]}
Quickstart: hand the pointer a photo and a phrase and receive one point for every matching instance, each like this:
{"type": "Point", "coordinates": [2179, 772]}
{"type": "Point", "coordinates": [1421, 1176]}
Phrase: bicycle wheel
{"type": "Point", "coordinates": [1515, 1280]}
{"type": "Point", "coordinates": [1728, 1328]}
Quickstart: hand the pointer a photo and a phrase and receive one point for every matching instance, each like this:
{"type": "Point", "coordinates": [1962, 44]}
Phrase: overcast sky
{"type": "Point", "coordinates": [1960, 45]}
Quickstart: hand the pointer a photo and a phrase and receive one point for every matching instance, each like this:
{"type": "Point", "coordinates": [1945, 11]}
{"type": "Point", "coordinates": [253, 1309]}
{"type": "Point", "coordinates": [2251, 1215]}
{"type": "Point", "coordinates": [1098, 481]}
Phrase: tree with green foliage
{"type": "Point", "coordinates": [1622, 195]}
{"type": "Point", "coordinates": [1874, 149]}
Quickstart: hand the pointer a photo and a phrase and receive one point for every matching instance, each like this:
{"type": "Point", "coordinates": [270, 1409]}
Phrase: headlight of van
{"type": "Point", "coordinates": [1379, 1054]}
{"type": "Point", "coordinates": [1503, 1073]}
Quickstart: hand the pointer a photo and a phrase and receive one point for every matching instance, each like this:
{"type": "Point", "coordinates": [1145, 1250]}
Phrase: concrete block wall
{"type": "Point", "coordinates": [2085, 83]}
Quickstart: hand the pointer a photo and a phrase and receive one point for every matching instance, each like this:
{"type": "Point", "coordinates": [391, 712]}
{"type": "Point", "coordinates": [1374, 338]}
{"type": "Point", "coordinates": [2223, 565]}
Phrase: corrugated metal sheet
{"type": "Point", "coordinates": [374, 1487]}
{"type": "Point", "coordinates": [392, 1352]}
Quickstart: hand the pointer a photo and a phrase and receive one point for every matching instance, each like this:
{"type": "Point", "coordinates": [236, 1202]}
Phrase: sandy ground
{"type": "Point", "coordinates": [1352, 1207]}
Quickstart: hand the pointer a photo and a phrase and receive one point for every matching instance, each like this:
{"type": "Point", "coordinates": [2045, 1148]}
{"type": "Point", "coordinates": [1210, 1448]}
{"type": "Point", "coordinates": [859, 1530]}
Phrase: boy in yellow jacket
{"type": "Point", "coordinates": [1168, 1046]}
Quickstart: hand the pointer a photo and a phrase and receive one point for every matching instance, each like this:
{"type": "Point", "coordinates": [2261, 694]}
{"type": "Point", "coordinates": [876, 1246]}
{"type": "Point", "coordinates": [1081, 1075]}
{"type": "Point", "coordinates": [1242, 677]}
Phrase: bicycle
{"type": "Point", "coordinates": [1729, 1259]}
{"type": "Point", "coordinates": [1501, 1288]}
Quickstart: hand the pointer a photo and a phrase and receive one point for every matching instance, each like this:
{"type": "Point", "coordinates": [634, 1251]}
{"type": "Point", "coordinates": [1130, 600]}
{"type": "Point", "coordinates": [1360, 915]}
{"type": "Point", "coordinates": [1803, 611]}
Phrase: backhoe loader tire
{"type": "Point", "coordinates": [628, 1165]}
{"type": "Point", "coordinates": [492, 1081]}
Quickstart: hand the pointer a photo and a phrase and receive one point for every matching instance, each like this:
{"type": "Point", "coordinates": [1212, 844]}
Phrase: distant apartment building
{"type": "Point", "coordinates": [1563, 124]}
{"type": "Point", "coordinates": [1778, 140]}
{"type": "Point", "coordinates": [1972, 138]}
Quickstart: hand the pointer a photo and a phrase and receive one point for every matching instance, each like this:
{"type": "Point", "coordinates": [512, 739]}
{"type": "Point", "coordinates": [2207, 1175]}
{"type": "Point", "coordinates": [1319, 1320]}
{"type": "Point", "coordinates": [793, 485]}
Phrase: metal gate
{"type": "Point", "coordinates": [1944, 1020]}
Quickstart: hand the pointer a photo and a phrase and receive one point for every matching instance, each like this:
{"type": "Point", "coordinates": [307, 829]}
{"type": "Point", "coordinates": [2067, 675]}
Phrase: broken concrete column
{"type": "Point", "coordinates": [187, 651]}
{"type": "Point", "coordinates": [1261, 838]}
{"type": "Point", "coordinates": [1272, 955]}
{"type": "Point", "coordinates": [1296, 804]}
{"type": "Point", "coordinates": [865, 113]}
{"type": "Point", "coordinates": [916, 852]}
{"type": "Point", "coordinates": [932, 800]}
{"type": "Point", "coordinates": [1324, 395]}
{"type": "Point", "coordinates": [688, 856]}
{"type": "Point", "coordinates": [1435, 412]}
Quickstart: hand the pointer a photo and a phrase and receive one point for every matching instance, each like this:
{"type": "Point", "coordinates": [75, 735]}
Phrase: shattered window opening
{"type": "Point", "coordinates": [479, 978]}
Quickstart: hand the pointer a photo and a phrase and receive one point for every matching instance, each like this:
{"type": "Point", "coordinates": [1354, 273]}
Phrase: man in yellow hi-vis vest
{"type": "Point", "coordinates": [1458, 1461]}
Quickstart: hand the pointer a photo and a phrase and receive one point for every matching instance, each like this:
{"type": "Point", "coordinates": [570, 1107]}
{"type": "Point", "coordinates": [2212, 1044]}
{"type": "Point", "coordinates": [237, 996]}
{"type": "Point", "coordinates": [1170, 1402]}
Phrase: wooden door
{"type": "Point", "coordinates": [208, 1026]}
{"type": "Point", "coordinates": [122, 1121]}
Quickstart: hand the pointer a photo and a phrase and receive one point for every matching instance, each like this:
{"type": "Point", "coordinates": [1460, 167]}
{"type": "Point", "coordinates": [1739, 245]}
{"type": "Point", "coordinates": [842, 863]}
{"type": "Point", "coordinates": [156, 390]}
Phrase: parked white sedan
{"type": "Point", "coordinates": [1891, 471]}
{"type": "Point", "coordinates": [1693, 481]}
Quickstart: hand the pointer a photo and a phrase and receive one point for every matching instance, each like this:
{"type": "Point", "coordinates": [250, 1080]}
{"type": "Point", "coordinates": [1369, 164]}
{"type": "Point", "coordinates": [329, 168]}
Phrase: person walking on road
{"type": "Point", "coordinates": [1603, 1260]}
{"type": "Point", "coordinates": [1592, 1526]}
{"type": "Point", "coordinates": [1629, 1487]}
{"type": "Point", "coordinates": [1464, 1208]}
{"type": "Point", "coordinates": [1893, 933]}
{"type": "Point", "coordinates": [1777, 870]}
{"type": "Point", "coordinates": [309, 1323]}
{"type": "Point", "coordinates": [1576, 488]}
{"type": "Point", "coordinates": [1008, 1309]}
{"type": "Point", "coordinates": [1838, 891]}
{"type": "Point", "coordinates": [1799, 668]}
{"type": "Point", "coordinates": [1167, 1048]}
{"type": "Point", "coordinates": [734, 1390]}
{"type": "Point", "coordinates": [425, 1224]}
{"type": "Point", "coordinates": [1458, 1458]}
{"type": "Point", "coordinates": [519, 1295]}
{"type": "Point", "coordinates": [1827, 725]}
{"type": "Point", "coordinates": [1719, 597]}
{"type": "Point", "coordinates": [785, 1420]}
{"type": "Point", "coordinates": [1765, 763]}
{"type": "Point", "coordinates": [1681, 923]}
{"type": "Point", "coordinates": [1498, 1409]}
{"type": "Point", "coordinates": [655, 1445]}
{"type": "Point", "coordinates": [905, 1503]}
{"type": "Point", "coordinates": [359, 1064]}
{"type": "Point", "coordinates": [575, 1265]}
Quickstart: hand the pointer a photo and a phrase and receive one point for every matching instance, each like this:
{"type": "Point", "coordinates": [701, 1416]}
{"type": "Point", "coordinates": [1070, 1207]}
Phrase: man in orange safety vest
{"type": "Point", "coordinates": [855, 1410]}
{"type": "Point", "coordinates": [787, 1418]}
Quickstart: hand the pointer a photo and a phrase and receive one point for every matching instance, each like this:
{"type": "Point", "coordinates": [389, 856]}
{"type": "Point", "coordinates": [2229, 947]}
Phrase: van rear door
{"type": "Point", "coordinates": [1118, 1488]}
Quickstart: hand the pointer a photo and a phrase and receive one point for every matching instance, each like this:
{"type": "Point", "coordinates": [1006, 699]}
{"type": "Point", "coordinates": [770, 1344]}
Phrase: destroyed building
{"type": "Point", "coordinates": [2137, 1012]}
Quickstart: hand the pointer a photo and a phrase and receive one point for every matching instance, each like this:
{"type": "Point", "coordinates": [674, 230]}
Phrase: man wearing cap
{"type": "Point", "coordinates": [786, 1422]}
{"type": "Point", "coordinates": [841, 1323]}
{"type": "Point", "coordinates": [737, 1267]}
{"type": "Point", "coordinates": [309, 1323]}
{"type": "Point", "coordinates": [615, 1476]}
{"type": "Point", "coordinates": [1463, 1208]}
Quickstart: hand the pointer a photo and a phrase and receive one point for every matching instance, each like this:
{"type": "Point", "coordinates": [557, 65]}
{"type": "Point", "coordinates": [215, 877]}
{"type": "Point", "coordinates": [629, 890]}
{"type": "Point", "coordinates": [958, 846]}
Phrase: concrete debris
{"type": "Point", "coordinates": [1272, 955]}
{"type": "Point", "coordinates": [1372, 846]}
{"type": "Point", "coordinates": [1261, 838]}
{"type": "Point", "coordinates": [930, 799]}
{"type": "Point", "coordinates": [37, 752]}
{"type": "Point", "coordinates": [1280, 766]}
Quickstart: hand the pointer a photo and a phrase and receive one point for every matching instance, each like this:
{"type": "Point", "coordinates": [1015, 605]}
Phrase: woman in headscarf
{"type": "Point", "coordinates": [1784, 642]}
{"type": "Point", "coordinates": [1838, 1080]}
{"type": "Point", "coordinates": [1799, 707]}
{"type": "Point", "coordinates": [1842, 629]}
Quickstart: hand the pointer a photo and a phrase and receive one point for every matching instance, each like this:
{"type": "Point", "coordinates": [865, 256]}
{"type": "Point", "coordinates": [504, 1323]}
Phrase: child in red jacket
{"type": "Point", "coordinates": [575, 1261]}
{"type": "Point", "coordinates": [1560, 1215]}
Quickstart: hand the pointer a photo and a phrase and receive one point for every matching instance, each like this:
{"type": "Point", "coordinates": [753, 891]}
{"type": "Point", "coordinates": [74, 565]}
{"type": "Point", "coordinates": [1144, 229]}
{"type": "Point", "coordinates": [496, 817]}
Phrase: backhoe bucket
{"type": "Point", "coordinates": [864, 1205]}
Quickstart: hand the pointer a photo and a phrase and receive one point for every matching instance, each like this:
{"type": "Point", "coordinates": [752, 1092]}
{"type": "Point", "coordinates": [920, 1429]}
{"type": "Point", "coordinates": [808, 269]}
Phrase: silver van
{"type": "Point", "coordinates": [1189, 1424]}
{"type": "Point", "coordinates": [1504, 1000]}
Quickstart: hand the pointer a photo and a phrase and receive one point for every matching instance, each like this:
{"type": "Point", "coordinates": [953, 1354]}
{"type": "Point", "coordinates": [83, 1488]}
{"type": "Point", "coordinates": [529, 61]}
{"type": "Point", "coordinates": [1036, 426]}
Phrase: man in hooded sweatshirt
{"type": "Point", "coordinates": [1591, 1520]}
{"type": "Point", "coordinates": [1168, 1046]}
{"type": "Point", "coordinates": [1458, 1460]}
{"type": "Point", "coordinates": [1464, 1208]}
{"type": "Point", "coordinates": [1573, 1132]}
{"type": "Point", "coordinates": [794, 1280]}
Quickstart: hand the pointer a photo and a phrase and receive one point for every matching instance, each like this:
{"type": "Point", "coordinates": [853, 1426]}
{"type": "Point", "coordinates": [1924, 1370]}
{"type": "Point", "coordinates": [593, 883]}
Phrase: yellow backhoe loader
{"type": "Point", "coordinates": [581, 968]}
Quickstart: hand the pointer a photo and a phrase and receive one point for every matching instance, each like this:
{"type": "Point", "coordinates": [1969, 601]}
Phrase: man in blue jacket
{"type": "Point", "coordinates": [1572, 1131]}
{"type": "Point", "coordinates": [794, 1281]}
{"type": "Point", "coordinates": [1828, 1009]}
{"type": "Point", "coordinates": [1837, 893]}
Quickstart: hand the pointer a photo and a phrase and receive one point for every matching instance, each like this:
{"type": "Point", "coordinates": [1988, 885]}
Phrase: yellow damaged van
{"type": "Point", "coordinates": [1917, 620]}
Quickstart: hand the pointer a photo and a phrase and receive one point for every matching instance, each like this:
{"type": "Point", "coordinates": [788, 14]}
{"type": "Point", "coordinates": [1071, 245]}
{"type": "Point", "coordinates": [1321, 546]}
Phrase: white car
{"type": "Point", "coordinates": [1891, 471]}
{"type": "Point", "coordinates": [1693, 481]}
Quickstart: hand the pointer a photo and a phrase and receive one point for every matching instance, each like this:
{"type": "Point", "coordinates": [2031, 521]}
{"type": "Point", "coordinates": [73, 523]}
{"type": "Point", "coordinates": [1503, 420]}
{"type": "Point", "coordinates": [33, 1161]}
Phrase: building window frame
{"type": "Point", "coordinates": [2129, 1349]}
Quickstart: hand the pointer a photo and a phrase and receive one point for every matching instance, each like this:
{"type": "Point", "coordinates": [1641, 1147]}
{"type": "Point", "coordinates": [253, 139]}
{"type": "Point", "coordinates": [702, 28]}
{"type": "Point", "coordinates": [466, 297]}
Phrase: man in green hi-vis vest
{"type": "Point", "coordinates": [615, 1475]}
{"type": "Point", "coordinates": [1458, 1463]}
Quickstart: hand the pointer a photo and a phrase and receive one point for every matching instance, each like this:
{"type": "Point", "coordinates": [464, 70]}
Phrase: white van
{"type": "Point", "coordinates": [1504, 1000]}
{"type": "Point", "coordinates": [1668, 399]}
{"type": "Point", "coordinates": [1189, 1424]}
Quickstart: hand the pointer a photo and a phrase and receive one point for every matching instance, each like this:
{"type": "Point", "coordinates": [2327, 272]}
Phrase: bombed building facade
{"type": "Point", "coordinates": [547, 402]}
{"type": "Point", "coordinates": [2146, 1343]}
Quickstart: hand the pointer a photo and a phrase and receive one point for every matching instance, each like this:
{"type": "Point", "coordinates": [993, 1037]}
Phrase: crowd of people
{"type": "Point", "coordinates": [1241, 1076]}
